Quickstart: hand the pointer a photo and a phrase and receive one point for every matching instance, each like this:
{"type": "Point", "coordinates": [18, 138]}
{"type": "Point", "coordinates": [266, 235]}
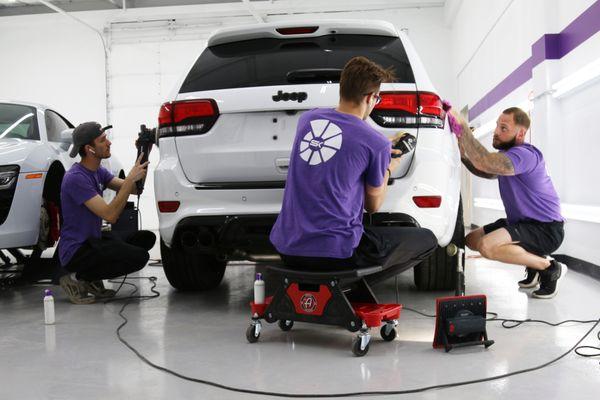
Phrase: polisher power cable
{"type": "Point", "coordinates": [575, 348]}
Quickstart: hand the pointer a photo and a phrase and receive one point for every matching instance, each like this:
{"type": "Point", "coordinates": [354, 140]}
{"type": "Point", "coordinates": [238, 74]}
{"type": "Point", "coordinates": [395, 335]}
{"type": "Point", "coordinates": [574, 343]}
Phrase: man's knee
{"type": "Point", "coordinates": [148, 240]}
{"type": "Point", "coordinates": [426, 243]}
{"type": "Point", "coordinates": [472, 239]}
{"type": "Point", "coordinates": [137, 260]}
{"type": "Point", "coordinates": [143, 239]}
{"type": "Point", "coordinates": [430, 241]}
{"type": "Point", "coordinates": [487, 248]}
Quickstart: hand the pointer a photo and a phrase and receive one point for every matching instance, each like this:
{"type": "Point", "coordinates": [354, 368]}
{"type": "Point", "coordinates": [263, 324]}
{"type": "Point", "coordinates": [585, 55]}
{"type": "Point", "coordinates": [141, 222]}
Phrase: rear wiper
{"type": "Point", "coordinates": [314, 75]}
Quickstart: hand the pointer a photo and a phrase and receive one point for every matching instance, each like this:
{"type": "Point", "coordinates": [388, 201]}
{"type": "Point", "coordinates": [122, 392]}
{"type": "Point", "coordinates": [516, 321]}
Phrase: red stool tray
{"type": "Point", "coordinates": [374, 314]}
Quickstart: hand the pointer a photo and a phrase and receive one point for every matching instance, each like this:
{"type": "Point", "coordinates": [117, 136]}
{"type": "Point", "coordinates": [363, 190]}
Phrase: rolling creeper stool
{"type": "Point", "coordinates": [318, 297]}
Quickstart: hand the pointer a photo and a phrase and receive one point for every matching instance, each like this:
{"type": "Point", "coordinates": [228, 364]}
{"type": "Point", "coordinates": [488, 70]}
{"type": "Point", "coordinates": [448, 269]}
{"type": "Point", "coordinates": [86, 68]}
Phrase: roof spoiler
{"type": "Point", "coordinates": [301, 29]}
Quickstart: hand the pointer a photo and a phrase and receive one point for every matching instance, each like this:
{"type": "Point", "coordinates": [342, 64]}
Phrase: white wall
{"type": "Point", "coordinates": [492, 38]}
{"type": "Point", "coordinates": [54, 60]}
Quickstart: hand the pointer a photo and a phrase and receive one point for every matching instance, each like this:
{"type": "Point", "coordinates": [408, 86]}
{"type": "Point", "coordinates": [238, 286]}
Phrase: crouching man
{"type": "Point", "coordinates": [89, 254]}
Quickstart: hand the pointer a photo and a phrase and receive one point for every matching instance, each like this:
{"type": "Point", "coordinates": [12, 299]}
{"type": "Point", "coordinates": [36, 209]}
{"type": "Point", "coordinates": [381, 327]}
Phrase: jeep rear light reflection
{"type": "Point", "coordinates": [409, 110]}
{"type": "Point", "coordinates": [168, 206]}
{"type": "Point", "coordinates": [427, 201]}
{"type": "Point", "coordinates": [187, 117]}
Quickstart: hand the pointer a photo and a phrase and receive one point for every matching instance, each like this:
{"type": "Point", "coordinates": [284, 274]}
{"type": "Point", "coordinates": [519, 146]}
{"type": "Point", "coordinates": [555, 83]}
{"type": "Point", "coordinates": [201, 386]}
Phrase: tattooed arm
{"type": "Point", "coordinates": [480, 158]}
{"type": "Point", "coordinates": [475, 171]}
{"type": "Point", "coordinates": [470, 166]}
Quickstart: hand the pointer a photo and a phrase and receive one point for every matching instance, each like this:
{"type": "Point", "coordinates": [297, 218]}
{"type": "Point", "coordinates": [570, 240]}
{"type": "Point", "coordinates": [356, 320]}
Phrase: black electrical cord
{"type": "Point", "coordinates": [131, 296]}
{"type": "Point", "coordinates": [153, 262]}
{"type": "Point", "coordinates": [509, 323]}
{"type": "Point", "coordinates": [137, 207]}
{"type": "Point", "coordinates": [581, 353]}
{"type": "Point", "coordinates": [513, 323]}
{"type": "Point", "coordinates": [334, 395]}
{"type": "Point", "coordinates": [153, 279]}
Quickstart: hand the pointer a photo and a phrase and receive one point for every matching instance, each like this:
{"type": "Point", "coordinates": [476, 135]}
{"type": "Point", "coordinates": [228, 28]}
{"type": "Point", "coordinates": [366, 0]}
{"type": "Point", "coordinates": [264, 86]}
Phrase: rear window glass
{"type": "Point", "coordinates": [19, 122]}
{"type": "Point", "coordinates": [267, 62]}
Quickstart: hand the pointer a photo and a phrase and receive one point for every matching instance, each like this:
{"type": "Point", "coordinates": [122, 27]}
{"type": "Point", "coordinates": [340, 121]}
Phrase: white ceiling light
{"type": "Point", "coordinates": [577, 80]}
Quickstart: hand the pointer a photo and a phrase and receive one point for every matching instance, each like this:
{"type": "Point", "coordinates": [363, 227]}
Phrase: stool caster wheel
{"type": "Point", "coordinates": [357, 348]}
{"type": "Point", "coordinates": [253, 332]}
{"type": "Point", "coordinates": [388, 332]}
{"type": "Point", "coordinates": [360, 345]}
{"type": "Point", "coordinates": [285, 325]}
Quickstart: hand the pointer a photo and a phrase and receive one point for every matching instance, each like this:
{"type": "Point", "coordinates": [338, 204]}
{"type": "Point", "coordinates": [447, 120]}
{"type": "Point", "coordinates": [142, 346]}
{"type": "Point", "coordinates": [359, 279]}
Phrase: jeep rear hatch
{"type": "Point", "coordinates": [241, 102]}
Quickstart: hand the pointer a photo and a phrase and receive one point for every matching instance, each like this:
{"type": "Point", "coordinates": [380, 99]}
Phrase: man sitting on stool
{"type": "Point", "coordinates": [339, 166]}
{"type": "Point", "coordinates": [87, 253]}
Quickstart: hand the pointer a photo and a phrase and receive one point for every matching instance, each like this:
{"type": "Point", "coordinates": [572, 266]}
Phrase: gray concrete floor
{"type": "Point", "coordinates": [203, 335]}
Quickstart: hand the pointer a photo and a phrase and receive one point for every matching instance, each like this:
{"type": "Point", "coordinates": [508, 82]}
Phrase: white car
{"type": "Point", "coordinates": [34, 144]}
{"type": "Point", "coordinates": [226, 135]}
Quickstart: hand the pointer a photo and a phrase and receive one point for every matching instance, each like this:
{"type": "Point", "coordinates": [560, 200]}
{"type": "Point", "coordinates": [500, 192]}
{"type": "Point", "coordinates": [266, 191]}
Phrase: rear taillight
{"type": "Point", "coordinates": [187, 117]}
{"type": "Point", "coordinates": [427, 201]}
{"type": "Point", "coordinates": [298, 30]}
{"type": "Point", "coordinates": [409, 110]}
{"type": "Point", "coordinates": [168, 206]}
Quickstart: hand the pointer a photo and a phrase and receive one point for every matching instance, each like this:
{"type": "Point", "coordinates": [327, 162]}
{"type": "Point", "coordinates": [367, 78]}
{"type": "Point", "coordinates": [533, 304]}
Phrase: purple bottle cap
{"type": "Point", "coordinates": [258, 276]}
{"type": "Point", "coordinates": [47, 292]}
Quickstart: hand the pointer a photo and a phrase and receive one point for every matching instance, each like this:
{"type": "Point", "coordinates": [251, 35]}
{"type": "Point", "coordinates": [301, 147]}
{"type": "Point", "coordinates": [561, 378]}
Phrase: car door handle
{"type": "Point", "coordinates": [282, 165]}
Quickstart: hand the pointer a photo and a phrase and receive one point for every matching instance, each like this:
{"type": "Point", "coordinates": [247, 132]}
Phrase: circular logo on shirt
{"type": "Point", "coordinates": [321, 143]}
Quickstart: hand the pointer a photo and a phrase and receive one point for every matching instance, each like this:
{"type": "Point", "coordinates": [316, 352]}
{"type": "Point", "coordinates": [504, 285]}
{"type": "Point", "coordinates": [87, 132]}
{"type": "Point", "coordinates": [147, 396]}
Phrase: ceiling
{"type": "Point", "coordinates": [22, 7]}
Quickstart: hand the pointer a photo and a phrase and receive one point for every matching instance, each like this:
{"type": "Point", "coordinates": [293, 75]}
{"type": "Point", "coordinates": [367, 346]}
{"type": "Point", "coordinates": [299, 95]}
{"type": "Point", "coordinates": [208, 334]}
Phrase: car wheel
{"type": "Point", "coordinates": [191, 271]}
{"type": "Point", "coordinates": [44, 233]}
{"type": "Point", "coordinates": [438, 272]}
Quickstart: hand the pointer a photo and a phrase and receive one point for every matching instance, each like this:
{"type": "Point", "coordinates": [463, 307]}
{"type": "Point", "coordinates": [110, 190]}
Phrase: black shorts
{"type": "Point", "coordinates": [395, 248]}
{"type": "Point", "coordinates": [540, 238]}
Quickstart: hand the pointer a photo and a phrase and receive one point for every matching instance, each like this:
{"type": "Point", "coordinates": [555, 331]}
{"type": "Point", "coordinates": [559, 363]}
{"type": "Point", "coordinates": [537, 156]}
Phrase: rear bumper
{"type": "Point", "coordinates": [435, 170]}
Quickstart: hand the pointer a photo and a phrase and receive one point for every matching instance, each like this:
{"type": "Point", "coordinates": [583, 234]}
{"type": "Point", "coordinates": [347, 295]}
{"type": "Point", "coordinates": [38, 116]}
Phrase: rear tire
{"type": "Point", "coordinates": [438, 272]}
{"type": "Point", "coordinates": [186, 271]}
{"type": "Point", "coordinates": [44, 231]}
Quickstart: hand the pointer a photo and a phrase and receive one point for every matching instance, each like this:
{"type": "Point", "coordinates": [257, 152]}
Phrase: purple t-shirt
{"type": "Point", "coordinates": [79, 223]}
{"type": "Point", "coordinates": [334, 155]}
{"type": "Point", "coordinates": [529, 194]}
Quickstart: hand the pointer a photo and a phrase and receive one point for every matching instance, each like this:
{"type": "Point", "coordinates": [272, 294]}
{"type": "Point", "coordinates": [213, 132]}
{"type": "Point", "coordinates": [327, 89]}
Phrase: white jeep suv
{"type": "Point", "coordinates": [225, 139]}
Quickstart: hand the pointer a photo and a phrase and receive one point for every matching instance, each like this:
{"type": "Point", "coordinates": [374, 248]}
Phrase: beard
{"type": "Point", "coordinates": [504, 145]}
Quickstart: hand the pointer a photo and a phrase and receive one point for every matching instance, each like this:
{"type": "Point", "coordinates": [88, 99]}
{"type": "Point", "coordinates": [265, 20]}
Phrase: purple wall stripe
{"type": "Point", "coordinates": [552, 46]}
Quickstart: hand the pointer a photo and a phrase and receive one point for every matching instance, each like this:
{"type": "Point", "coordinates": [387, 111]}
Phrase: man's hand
{"type": "Point", "coordinates": [395, 162]}
{"type": "Point", "coordinates": [456, 123]}
{"type": "Point", "coordinates": [394, 139]}
{"type": "Point", "coordinates": [139, 170]}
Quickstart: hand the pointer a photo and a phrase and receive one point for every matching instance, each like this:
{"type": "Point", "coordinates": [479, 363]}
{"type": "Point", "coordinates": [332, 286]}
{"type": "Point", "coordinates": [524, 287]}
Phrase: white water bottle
{"type": "Point", "coordinates": [48, 307]}
{"type": "Point", "coordinates": [259, 289]}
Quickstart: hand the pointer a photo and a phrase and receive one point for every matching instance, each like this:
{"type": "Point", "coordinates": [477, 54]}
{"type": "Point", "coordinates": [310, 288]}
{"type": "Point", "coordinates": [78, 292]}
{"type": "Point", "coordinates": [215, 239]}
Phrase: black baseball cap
{"type": "Point", "coordinates": [85, 133]}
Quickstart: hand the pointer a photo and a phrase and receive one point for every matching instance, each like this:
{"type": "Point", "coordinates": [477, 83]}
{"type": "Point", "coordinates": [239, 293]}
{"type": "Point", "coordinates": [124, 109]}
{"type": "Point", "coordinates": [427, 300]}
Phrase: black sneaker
{"type": "Point", "coordinates": [549, 280]}
{"type": "Point", "coordinates": [532, 278]}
